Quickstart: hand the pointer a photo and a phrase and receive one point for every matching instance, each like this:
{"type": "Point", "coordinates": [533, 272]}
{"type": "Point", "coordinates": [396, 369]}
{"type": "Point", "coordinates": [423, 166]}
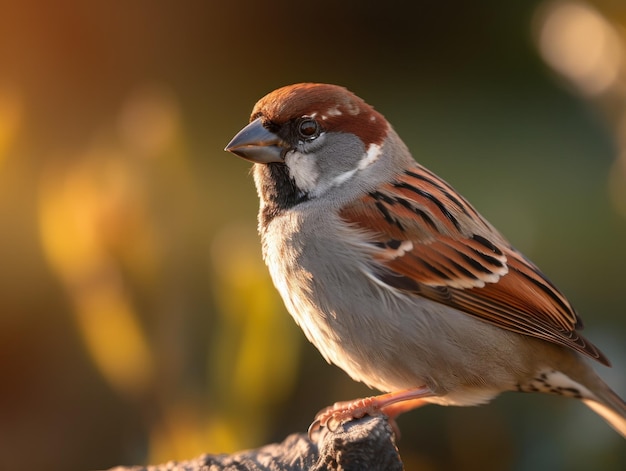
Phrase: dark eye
{"type": "Point", "coordinates": [308, 128]}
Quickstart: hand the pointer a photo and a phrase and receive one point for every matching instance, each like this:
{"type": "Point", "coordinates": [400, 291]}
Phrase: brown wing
{"type": "Point", "coordinates": [434, 244]}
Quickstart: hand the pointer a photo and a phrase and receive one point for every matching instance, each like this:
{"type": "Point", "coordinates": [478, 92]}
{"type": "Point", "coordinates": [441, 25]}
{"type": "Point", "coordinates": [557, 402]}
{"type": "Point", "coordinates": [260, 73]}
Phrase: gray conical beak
{"type": "Point", "coordinates": [257, 144]}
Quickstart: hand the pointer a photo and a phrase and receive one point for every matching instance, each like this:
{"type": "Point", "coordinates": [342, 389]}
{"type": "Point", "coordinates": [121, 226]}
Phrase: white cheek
{"type": "Point", "coordinates": [303, 169]}
{"type": "Point", "coordinates": [342, 177]}
{"type": "Point", "coordinates": [371, 155]}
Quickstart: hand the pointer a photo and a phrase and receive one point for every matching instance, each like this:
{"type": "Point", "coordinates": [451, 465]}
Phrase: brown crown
{"type": "Point", "coordinates": [335, 108]}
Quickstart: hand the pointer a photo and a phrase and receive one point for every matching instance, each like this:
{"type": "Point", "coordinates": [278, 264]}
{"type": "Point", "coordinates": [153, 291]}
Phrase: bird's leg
{"type": "Point", "coordinates": [390, 404]}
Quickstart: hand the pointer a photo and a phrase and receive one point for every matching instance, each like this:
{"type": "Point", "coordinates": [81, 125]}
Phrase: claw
{"type": "Point", "coordinates": [315, 426]}
{"type": "Point", "coordinates": [391, 405]}
{"type": "Point", "coordinates": [333, 423]}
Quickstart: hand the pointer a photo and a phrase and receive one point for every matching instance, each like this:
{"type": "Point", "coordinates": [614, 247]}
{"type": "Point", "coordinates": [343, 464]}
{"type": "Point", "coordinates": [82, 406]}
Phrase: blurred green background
{"type": "Point", "coordinates": [137, 321]}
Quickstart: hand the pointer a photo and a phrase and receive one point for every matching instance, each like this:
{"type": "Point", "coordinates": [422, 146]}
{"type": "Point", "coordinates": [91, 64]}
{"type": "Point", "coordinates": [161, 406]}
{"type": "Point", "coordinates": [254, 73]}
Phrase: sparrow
{"type": "Point", "coordinates": [394, 276]}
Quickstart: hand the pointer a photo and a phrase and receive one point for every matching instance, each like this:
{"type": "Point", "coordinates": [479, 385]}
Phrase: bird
{"type": "Point", "coordinates": [394, 276]}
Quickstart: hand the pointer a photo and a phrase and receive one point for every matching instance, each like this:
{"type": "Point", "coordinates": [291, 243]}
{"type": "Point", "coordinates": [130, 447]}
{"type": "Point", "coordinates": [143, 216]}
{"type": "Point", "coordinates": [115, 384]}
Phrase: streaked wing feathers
{"type": "Point", "coordinates": [434, 244]}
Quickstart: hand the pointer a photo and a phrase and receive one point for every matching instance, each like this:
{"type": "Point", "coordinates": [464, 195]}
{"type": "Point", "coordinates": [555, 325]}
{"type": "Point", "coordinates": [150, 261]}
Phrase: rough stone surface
{"type": "Point", "coordinates": [363, 444]}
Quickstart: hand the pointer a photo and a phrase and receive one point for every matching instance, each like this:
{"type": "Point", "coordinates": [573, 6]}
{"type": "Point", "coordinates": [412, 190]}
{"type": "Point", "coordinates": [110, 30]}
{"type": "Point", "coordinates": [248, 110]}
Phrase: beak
{"type": "Point", "coordinates": [257, 144]}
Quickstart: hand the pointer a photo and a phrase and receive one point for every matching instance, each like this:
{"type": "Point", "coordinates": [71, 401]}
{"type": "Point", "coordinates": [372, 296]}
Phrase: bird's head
{"type": "Point", "coordinates": [309, 138]}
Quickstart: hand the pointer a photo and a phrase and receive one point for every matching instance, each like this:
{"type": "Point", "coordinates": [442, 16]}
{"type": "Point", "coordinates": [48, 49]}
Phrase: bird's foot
{"type": "Point", "coordinates": [390, 405]}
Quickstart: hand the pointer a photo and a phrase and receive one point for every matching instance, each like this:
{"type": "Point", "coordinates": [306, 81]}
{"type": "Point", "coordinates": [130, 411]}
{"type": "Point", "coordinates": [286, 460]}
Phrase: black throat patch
{"type": "Point", "coordinates": [277, 190]}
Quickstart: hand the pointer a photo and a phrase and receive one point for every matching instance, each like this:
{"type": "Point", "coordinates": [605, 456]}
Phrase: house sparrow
{"type": "Point", "coordinates": [394, 276]}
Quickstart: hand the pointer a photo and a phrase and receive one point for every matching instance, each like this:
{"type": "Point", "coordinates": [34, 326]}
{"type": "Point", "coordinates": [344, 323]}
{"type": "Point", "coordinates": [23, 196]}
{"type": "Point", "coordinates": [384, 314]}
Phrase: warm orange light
{"type": "Point", "coordinates": [10, 117]}
{"type": "Point", "coordinates": [578, 42]}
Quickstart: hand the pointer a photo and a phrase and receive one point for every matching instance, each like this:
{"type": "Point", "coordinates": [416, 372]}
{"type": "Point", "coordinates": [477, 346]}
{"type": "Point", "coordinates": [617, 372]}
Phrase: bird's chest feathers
{"type": "Point", "coordinates": [297, 268]}
{"type": "Point", "coordinates": [282, 252]}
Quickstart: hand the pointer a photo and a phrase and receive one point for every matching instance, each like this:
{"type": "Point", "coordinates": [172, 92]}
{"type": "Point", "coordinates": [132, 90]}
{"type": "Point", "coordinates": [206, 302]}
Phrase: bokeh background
{"type": "Point", "coordinates": [137, 321]}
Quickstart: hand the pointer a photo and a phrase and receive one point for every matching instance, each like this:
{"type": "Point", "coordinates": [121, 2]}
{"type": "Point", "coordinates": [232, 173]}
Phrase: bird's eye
{"type": "Point", "coordinates": [308, 128]}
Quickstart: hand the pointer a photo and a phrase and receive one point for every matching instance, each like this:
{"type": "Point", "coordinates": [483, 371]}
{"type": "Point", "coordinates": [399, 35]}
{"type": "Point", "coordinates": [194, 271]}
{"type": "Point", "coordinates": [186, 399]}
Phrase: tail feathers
{"type": "Point", "coordinates": [611, 408]}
